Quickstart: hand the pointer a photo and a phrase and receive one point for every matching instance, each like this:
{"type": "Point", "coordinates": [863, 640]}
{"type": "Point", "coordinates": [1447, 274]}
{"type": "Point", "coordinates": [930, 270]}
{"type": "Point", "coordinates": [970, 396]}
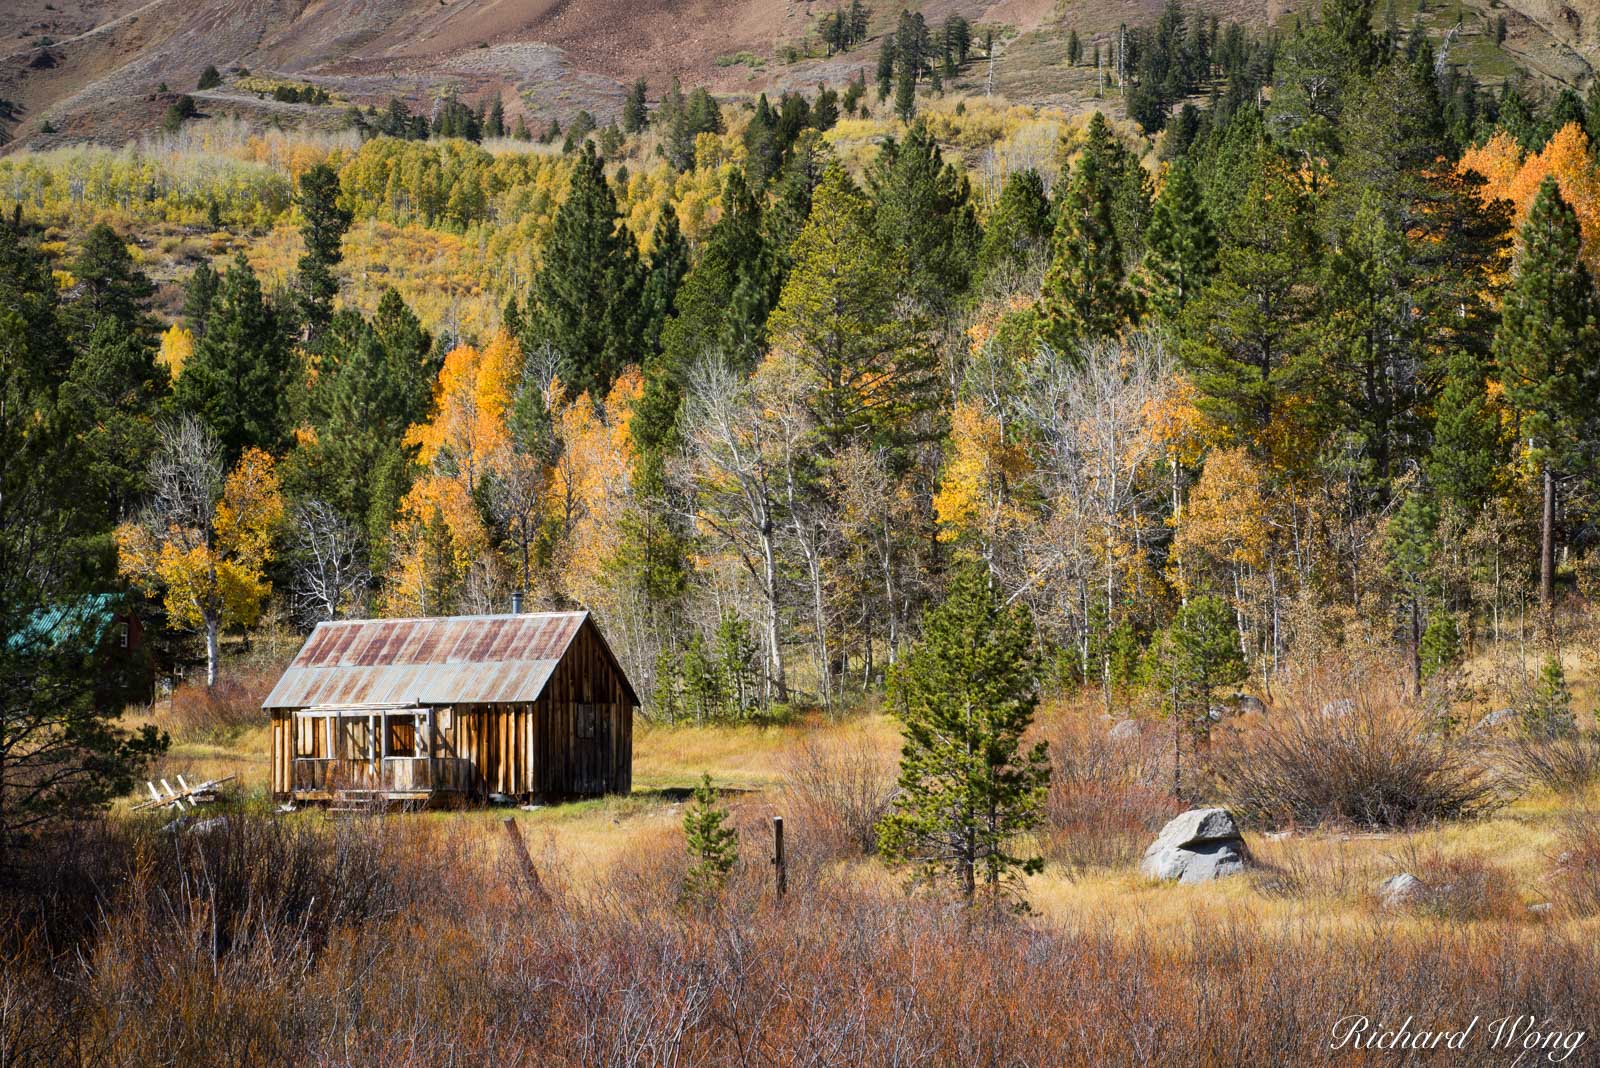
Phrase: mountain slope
{"type": "Point", "coordinates": [108, 69]}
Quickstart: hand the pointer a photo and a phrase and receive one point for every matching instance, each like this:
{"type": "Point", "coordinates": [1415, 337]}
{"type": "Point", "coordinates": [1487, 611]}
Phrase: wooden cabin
{"type": "Point", "coordinates": [463, 708]}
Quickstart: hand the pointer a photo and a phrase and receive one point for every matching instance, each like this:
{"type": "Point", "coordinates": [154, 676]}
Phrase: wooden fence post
{"type": "Point", "coordinates": [778, 864]}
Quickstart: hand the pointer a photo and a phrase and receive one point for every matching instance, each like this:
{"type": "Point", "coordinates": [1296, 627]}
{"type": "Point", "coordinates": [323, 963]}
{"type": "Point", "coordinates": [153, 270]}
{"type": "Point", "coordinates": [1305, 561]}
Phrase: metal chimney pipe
{"type": "Point", "coordinates": [516, 603]}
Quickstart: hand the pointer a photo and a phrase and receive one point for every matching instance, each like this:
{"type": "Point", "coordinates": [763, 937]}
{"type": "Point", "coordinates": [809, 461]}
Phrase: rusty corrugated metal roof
{"type": "Point", "coordinates": [443, 660]}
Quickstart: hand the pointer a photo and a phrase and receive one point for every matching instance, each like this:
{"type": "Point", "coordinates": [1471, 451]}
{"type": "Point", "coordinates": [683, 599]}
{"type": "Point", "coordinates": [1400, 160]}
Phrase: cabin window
{"type": "Point", "coordinates": [588, 717]}
{"type": "Point", "coordinates": [402, 736]}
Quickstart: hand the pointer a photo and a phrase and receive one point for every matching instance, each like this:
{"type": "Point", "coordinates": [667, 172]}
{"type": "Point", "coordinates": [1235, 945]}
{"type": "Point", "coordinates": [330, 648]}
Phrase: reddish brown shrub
{"type": "Point", "coordinates": [1369, 763]}
{"type": "Point", "coordinates": [1109, 795]}
{"type": "Point", "coordinates": [1576, 866]}
{"type": "Point", "coordinates": [234, 703]}
{"type": "Point", "coordinates": [836, 790]}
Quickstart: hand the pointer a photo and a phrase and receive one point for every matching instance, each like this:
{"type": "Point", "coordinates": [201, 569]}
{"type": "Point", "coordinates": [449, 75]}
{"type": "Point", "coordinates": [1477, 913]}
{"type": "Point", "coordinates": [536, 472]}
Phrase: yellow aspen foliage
{"type": "Point", "coordinates": [973, 501]}
{"type": "Point", "coordinates": [471, 402]}
{"type": "Point", "coordinates": [1224, 530]}
{"type": "Point", "coordinates": [590, 479]}
{"type": "Point", "coordinates": [1566, 157]}
{"type": "Point", "coordinates": [219, 573]}
{"type": "Point", "coordinates": [467, 439]}
{"type": "Point", "coordinates": [177, 345]}
{"type": "Point", "coordinates": [1177, 425]}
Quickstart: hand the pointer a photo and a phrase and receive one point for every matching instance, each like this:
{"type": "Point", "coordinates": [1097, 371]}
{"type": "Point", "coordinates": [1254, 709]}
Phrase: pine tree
{"type": "Point", "coordinates": [323, 226]}
{"type": "Point", "coordinates": [1441, 644]}
{"type": "Point", "coordinates": [1018, 231]}
{"type": "Point", "coordinates": [666, 702]}
{"type": "Point", "coordinates": [886, 65]}
{"type": "Point", "coordinates": [210, 78]}
{"type": "Point", "coordinates": [117, 388]}
{"type": "Point", "coordinates": [1085, 296]}
{"type": "Point", "coordinates": [702, 690]}
{"type": "Point", "coordinates": [923, 207]}
{"type": "Point", "coordinates": [111, 289]}
{"type": "Point", "coordinates": [1182, 242]}
{"type": "Point", "coordinates": [839, 314]}
{"type": "Point", "coordinates": [60, 701]}
{"type": "Point", "coordinates": [712, 845]}
{"type": "Point", "coordinates": [905, 88]}
{"type": "Point", "coordinates": [720, 310]}
{"type": "Point", "coordinates": [198, 294]}
{"type": "Point", "coordinates": [1201, 653]}
{"type": "Point", "coordinates": [586, 297]}
{"type": "Point", "coordinates": [1247, 338]}
{"type": "Point", "coordinates": [1411, 544]}
{"type": "Point", "coordinates": [1074, 49]}
{"type": "Point", "coordinates": [1467, 457]}
{"type": "Point", "coordinates": [238, 380]}
{"type": "Point", "coordinates": [735, 653]}
{"type": "Point", "coordinates": [1548, 710]}
{"type": "Point", "coordinates": [1547, 348]}
{"type": "Point", "coordinates": [669, 265]}
{"type": "Point", "coordinates": [374, 384]}
{"type": "Point", "coordinates": [495, 124]}
{"type": "Point", "coordinates": [965, 696]}
{"type": "Point", "coordinates": [635, 110]}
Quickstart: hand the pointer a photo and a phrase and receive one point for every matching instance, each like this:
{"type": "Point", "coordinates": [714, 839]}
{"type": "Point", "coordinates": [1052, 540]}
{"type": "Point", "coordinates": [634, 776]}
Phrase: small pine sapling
{"type": "Point", "coordinates": [712, 845]}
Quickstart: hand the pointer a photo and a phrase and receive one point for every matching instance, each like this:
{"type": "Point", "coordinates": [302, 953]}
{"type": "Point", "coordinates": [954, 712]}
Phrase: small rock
{"type": "Point", "coordinates": [1124, 730]}
{"type": "Point", "coordinates": [1541, 908]}
{"type": "Point", "coordinates": [1245, 704]}
{"type": "Point", "coordinates": [1400, 890]}
{"type": "Point", "coordinates": [215, 823]}
{"type": "Point", "coordinates": [1500, 718]}
{"type": "Point", "coordinates": [1338, 709]}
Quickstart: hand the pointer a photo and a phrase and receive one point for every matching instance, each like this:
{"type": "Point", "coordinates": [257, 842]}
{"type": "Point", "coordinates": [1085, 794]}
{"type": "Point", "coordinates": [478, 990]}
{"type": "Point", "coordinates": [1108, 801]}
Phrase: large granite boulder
{"type": "Point", "coordinates": [1196, 847]}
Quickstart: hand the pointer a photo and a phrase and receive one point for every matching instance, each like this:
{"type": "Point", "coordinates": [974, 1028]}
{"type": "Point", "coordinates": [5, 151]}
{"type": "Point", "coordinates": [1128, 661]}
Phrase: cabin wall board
{"type": "Point", "coordinates": [520, 750]}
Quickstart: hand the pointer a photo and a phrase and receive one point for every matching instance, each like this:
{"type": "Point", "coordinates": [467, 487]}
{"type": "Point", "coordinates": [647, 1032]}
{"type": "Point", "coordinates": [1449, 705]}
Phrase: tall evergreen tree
{"type": "Point", "coordinates": [839, 314]}
{"type": "Point", "coordinates": [1018, 231]}
{"type": "Point", "coordinates": [198, 293]}
{"type": "Point", "coordinates": [239, 378]}
{"type": "Point", "coordinates": [1465, 461]}
{"type": "Point", "coordinates": [586, 297]}
{"type": "Point", "coordinates": [965, 696]}
{"type": "Point", "coordinates": [1202, 654]}
{"type": "Point", "coordinates": [1182, 246]}
{"type": "Point", "coordinates": [323, 224]}
{"type": "Point", "coordinates": [635, 110]}
{"type": "Point", "coordinates": [65, 752]}
{"type": "Point", "coordinates": [924, 207]}
{"type": "Point", "coordinates": [1548, 349]}
{"type": "Point", "coordinates": [1248, 336]}
{"type": "Point", "coordinates": [669, 264]}
{"type": "Point", "coordinates": [1085, 296]}
{"type": "Point", "coordinates": [905, 87]}
{"type": "Point", "coordinates": [110, 288]}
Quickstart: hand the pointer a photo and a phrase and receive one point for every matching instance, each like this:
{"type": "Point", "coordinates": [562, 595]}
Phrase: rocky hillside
{"type": "Point", "coordinates": [109, 69]}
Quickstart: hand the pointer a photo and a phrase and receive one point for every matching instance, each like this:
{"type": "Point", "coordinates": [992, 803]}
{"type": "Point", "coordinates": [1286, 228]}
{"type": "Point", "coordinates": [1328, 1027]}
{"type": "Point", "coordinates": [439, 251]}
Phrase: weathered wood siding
{"type": "Point", "coordinates": [575, 741]}
{"type": "Point", "coordinates": [577, 755]}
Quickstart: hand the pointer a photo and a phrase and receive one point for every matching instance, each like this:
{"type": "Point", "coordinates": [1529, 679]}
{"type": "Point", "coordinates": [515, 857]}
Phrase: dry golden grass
{"type": "Point", "coordinates": [1326, 877]}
